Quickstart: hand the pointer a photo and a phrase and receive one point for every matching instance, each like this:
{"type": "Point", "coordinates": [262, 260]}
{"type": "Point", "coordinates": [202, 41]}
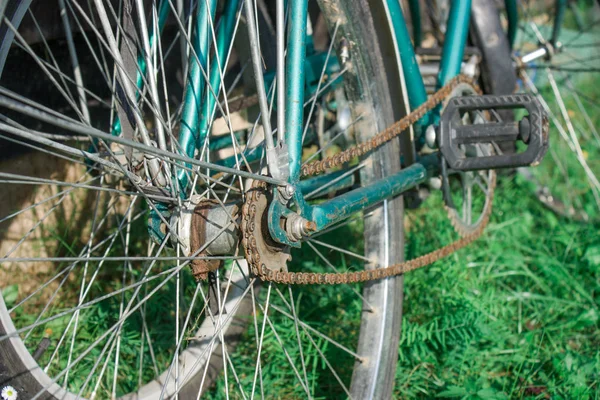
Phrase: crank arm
{"type": "Point", "coordinates": [532, 130]}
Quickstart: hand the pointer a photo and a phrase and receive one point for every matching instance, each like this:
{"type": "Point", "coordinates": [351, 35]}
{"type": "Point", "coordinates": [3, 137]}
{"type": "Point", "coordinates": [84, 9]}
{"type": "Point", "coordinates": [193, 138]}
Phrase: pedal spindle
{"type": "Point", "coordinates": [455, 135]}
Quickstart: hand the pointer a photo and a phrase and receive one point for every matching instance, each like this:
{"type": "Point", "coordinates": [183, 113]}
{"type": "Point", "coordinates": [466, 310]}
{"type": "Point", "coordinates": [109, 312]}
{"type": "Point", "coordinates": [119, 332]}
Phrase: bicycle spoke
{"type": "Point", "coordinates": [265, 311]}
{"type": "Point", "coordinates": [117, 304]}
{"type": "Point", "coordinates": [574, 141]}
{"type": "Point", "coordinates": [322, 74]}
{"type": "Point", "coordinates": [338, 249]}
{"type": "Point", "coordinates": [314, 344]}
{"type": "Point", "coordinates": [332, 141]}
{"type": "Point", "coordinates": [27, 48]}
{"type": "Point", "coordinates": [28, 110]}
{"type": "Point", "coordinates": [566, 137]}
{"type": "Point", "coordinates": [266, 319]}
{"type": "Point", "coordinates": [582, 109]}
{"type": "Point", "coordinates": [334, 181]}
{"type": "Point", "coordinates": [297, 335]}
{"type": "Point", "coordinates": [330, 265]}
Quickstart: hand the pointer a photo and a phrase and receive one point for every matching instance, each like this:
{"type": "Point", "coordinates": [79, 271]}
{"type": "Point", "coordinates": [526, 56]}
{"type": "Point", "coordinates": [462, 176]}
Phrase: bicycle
{"type": "Point", "coordinates": [246, 146]}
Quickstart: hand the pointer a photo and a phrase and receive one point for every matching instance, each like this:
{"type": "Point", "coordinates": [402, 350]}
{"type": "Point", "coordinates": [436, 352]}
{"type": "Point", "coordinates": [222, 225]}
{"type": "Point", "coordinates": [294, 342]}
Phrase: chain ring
{"type": "Point", "coordinates": [262, 253]}
{"type": "Point", "coordinates": [463, 223]}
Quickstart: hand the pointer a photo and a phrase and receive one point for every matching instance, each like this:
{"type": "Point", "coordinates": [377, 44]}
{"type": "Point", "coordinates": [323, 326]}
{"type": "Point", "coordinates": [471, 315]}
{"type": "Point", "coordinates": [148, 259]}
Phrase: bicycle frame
{"type": "Point", "coordinates": [339, 208]}
{"type": "Point", "coordinates": [512, 17]}
{"type": "Point", "coordinates": [195, 124]}
{"type": "Point", "coordinates": [199, 106]}
{"type": "Point", "coordinates": [200, 103]}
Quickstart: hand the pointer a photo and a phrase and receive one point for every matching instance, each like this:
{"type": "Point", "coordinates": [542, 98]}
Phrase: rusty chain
{"type": "Point", "coordinates": [385, 136]}
{"type": "Point", "coordinates": [259, 188]}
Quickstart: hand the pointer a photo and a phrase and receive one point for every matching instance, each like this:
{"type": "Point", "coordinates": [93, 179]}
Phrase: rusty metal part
{"type": "Point", "coordinates": [257, 197]}
{"type": "Point", "coordinates": [262, 253]}
{"type": "Point", "coordinates": [206, 233]}
{"type": "Point", "coordinates": [298, 228]}
{"type": "Point", "coordinates": [464, 229]}
{"type": "Point", "coordinates": [461, 89]}
{"type": "Point", "coordinates": [258, 267]}
{"type": "Point", "coordinates": [201, 267]}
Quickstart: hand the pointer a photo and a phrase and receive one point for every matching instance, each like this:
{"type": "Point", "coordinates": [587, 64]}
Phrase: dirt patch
{"type": "Point", "coordinates": [55, 227]}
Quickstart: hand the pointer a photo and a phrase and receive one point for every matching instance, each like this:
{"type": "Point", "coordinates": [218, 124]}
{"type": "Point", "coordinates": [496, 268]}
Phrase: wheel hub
{"type": "Point", "coordinates": [205, 228]}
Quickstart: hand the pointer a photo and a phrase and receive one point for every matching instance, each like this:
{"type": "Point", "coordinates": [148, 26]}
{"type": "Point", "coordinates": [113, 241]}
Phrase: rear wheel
{"type": "Point", "coordinates": [91, 306]}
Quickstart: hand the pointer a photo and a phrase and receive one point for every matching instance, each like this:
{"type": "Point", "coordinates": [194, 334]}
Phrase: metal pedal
{"type": "Point", "coordinates": [455, 135]}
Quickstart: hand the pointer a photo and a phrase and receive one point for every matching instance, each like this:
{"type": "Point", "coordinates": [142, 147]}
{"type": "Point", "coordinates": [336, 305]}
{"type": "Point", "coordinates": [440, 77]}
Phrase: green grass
{"type": "Point", "coordinates": [514, 315]}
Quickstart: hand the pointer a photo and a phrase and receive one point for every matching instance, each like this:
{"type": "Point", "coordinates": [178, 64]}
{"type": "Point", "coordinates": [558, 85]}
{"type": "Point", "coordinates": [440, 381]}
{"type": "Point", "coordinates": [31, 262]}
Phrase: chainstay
{"type": "Point", "coordinates": [260, 188]}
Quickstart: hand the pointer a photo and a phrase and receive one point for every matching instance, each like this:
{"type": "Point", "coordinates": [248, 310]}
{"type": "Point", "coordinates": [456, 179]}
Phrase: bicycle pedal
{"type": "Point", "coordinates": [457, 136]}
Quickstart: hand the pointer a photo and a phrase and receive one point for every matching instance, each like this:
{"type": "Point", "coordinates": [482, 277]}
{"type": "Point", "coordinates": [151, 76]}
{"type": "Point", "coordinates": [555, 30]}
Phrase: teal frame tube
{"type": "Point", "coordinates": [559, 15]}
{"type": "Point", "coordinates": [512, 17]}
{"type": "Point", "coordinates": [415, 19]}
{"type": "Point", "coordinates": [343, 206]}
{"type": "Point", "coordinates": [294, 99]}
{"type": "Point", "coordinates": [224, 36]}
{"type": "Point", "coordinates": [189, 139]}
{"type": "Point", "coordinates": [454, 43]}
{"type": "Point", "coordinates": [415, 87]}
{"type": "Point", "coordinates": [339, 208]}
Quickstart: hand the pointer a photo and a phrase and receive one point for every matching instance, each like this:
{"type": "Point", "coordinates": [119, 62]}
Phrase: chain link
{"type": "Point", "coordinates": [260, 188]}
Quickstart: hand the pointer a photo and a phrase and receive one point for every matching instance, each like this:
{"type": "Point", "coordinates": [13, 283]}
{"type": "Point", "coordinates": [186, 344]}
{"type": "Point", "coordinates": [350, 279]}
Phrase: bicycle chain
{"type": "Point", "coordinates": [259, 188]}
{"type": "Point", "coordinates": [385, 136]}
